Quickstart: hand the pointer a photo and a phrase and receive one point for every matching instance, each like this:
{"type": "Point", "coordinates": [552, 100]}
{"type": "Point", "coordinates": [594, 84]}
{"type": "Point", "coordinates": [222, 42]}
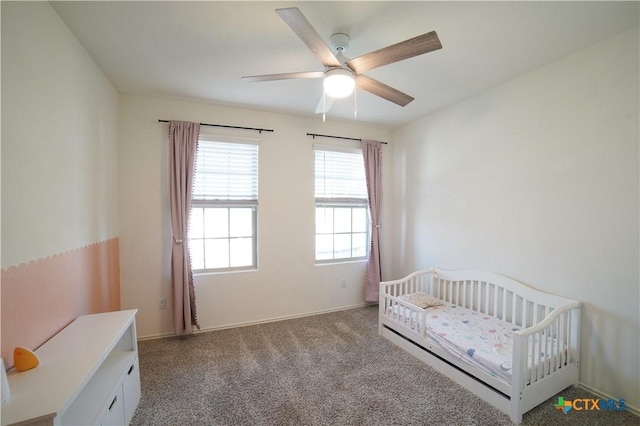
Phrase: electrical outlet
{"type": "Point", "coordinates": [162, 302]}
{"type": "Point", "coordinates": [343, 283]}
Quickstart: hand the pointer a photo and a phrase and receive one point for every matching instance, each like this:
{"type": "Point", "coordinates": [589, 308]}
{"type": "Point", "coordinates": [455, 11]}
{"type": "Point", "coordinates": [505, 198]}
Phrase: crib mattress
{"type": "Point", "coordinates": [481, 340]}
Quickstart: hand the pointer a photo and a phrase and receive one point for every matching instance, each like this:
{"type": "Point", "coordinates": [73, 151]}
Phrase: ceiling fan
{"type": "Point", "coordinates": [340, 74]}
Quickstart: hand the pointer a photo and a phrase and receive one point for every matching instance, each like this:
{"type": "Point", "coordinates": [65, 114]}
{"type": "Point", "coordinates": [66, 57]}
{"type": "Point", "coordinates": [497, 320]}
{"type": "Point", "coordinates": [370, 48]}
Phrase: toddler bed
{"type": "Point", "coordinates": [513, 346]}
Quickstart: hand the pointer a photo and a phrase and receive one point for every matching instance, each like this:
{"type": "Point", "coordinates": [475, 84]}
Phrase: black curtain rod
{"type": "Point", "coordinates": [337, 137]}
{"type": "Point", "coordinates": [228, 127]}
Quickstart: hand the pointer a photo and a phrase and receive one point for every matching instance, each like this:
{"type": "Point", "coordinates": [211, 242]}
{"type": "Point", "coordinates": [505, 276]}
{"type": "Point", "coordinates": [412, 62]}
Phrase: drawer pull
{"type": "Point", "coordinates": [130, 369]}
{"type": "Point", "coordinates": [115, 398]}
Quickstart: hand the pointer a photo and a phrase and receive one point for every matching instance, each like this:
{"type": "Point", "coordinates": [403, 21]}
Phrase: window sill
{"type": "Point", "coordinates": [341, 262]}
{"type": "Point", "coordinates": [231, 271]}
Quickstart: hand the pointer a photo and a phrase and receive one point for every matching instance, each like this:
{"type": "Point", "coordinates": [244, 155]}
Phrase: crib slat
{"type": "Point", "coordinates": [471, 296]}
{"type": "Point", "coordinates": [553, 363]}
{"type": "Point", "coordinates": [504, 304]}
{"type": "Point", "coordinates": [566, 333]}
{"type": "Point", "coordinates": [495, 301]}
{"type": "Point", "coordinates": [487, 298]}
{"type": "Point", "coordinates": [532, 374]}
{"type": "Point", "coordinates": [536, 355]}
{"type": "Point", "coordinates": [474, 295]}
{"type": "Point", "coordinates": [533, 360]}
{"type": "Point", "coordinates": [547, 365]}
{"type": "Point", "coordinates": [558, 346]}
{"type": "Point", "coordinates": [563, 338]}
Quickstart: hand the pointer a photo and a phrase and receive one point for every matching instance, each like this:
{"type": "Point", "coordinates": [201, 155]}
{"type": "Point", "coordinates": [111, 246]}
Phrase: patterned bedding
{"type": "Point", "coordinates": [479, 339]}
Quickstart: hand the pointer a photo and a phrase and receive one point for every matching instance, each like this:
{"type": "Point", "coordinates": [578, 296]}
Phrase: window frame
{"type": "Point", "coordinates": [228, 204]}
{"type": "Point", "coordinates": [341, 205]}
{"type": "Point", "coordinates": [341, 202]}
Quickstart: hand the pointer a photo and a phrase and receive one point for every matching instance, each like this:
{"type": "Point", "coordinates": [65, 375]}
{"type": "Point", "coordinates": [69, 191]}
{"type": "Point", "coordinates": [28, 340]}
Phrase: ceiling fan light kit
{"type": "Point", "coordinates": [339, 82]}
{"type": "Point", "coordinates": [341, 76]}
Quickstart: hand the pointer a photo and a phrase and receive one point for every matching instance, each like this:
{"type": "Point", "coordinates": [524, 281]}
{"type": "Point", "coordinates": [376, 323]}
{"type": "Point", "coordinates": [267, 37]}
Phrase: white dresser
{"type": "Point", "coordinates": [88, 375]}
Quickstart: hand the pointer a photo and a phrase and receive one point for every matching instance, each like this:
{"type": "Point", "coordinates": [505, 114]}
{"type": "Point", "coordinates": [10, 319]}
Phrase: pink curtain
{"type": "Point", "coordinates": [183, 145]}
{"type": "Point", "coordinates": [372, 153]}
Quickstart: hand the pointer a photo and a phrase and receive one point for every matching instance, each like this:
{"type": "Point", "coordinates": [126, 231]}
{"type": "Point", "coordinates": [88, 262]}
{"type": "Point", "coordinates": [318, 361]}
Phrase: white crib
{"type": "Point", "coordinates": [543, 323]}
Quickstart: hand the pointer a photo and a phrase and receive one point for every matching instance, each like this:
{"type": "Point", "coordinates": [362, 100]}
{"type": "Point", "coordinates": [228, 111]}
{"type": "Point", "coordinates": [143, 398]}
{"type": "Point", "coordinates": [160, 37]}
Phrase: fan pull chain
{"type": "Point", "coordinates": [355, 101]}
{"type": "Point", "coordinates": [324, 106]}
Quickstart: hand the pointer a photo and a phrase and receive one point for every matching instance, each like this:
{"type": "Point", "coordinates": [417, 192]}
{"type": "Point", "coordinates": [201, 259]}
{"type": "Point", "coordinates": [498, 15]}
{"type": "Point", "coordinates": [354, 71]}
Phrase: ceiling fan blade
{"type": "Point", "coordinates": [397, 52]}
{"type": "Point", "coordinates": [325, 104]}
{"type": "Point", "coordinates": [303, 29]}
{"type": "Point", "coordinates": [380, 89]}
{"type": "Point", "coordinates": [284, 76]}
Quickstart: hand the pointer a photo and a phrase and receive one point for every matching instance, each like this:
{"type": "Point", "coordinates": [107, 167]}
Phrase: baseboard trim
{"type": "Point", "coordinates": [250, 323]}
{"type": "Point", "coordinates": [603, 395]}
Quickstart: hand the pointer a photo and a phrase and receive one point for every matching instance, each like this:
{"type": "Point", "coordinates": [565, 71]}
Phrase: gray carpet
{"type": "Point", "coordinates": [330, 369]}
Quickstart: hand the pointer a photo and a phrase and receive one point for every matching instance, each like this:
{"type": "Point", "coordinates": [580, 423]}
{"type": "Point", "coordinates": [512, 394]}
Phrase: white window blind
{"type": "Point", "coordinates": [339, 176]}
{"type": "Point", "coordinates": [226, 172]}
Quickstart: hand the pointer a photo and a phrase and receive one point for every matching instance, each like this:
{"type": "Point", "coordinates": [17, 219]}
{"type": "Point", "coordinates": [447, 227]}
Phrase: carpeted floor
{"type": "Point", "coordinates": [330, 369]}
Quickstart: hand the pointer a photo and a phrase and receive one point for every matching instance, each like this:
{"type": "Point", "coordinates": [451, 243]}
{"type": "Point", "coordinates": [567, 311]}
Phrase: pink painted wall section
{"type": "Point", "coordinates": [41, 297]}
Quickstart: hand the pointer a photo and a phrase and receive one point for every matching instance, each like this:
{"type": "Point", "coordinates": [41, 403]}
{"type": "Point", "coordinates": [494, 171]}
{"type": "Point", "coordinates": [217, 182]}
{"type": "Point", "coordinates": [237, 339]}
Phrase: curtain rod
{"type": "Point", "coordinates": [228, 127]}
{"type": "Point", "coordinates": [337, 137]}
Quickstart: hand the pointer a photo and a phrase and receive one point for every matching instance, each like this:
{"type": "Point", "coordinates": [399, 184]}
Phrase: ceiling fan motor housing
{"type": "Point", "coordinates": [339, 42]}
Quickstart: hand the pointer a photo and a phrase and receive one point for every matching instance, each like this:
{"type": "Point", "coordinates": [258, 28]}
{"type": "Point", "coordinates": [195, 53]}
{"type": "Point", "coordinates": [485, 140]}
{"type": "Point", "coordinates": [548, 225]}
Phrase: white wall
{"type": "Point", "coordinates": [538, 179]}
{"type": "Point", "coordinates": [287, 282]}
{"type": "Point", "coordinates": [59, 130]}
{"type": "Point", "coordinates": [59, 179]}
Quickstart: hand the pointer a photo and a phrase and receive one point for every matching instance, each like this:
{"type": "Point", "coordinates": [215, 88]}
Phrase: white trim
{"type": "Point", "coordinates": [215, 137]}
{"type": "Point", "coordinates": [250, 323]}
{"type": "Point", "coordinates": [602, 395]}
{"type": "Point", "coordinates": [337, 148]}
{"type": "Point", "coordinates": [341, 261]}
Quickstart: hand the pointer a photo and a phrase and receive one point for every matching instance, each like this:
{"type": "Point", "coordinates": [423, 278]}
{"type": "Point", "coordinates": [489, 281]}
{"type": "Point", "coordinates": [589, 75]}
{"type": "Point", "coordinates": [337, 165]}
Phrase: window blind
{"type": "Point", "coordinates": [339, 176]}
{"type": "Point", "coordinates": [226, 171]}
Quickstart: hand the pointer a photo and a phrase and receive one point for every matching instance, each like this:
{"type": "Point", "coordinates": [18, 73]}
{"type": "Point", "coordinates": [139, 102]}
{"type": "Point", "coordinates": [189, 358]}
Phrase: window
{"type": "Point", "coordinates": [342, 214]}
{"type": "Point", "coordinates": [223, 221]}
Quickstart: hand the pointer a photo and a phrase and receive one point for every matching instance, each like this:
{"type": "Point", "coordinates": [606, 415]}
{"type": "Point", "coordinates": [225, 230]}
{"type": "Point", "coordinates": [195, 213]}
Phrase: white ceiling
{"type": "Point", "coordinates": [200, 50]}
